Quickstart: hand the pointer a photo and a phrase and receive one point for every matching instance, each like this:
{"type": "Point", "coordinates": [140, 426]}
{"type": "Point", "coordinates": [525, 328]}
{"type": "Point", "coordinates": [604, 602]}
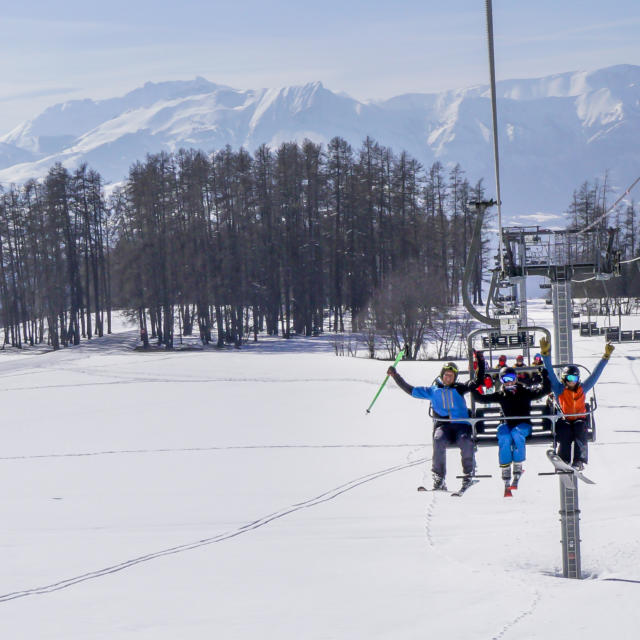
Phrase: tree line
{"type": "Point", "coordinates": [299, 239]}
{"type": "Point", "coordinates": [55, 284]}
{"type": "Point", "coordinates": [295, 240]}
{"type": "Point", "coordinates": [589, 204]}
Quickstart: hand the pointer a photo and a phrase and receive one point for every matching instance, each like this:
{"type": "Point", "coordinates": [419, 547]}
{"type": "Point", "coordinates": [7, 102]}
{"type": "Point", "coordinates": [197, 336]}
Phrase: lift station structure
{"type": "Point", "coordinates": [561, 256]}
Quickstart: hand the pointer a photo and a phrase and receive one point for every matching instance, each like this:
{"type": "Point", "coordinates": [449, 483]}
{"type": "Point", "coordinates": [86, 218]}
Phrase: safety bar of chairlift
{"type": "Point", "coordinates": [552, 417]}
{"type": "Point", "coordinates": [532, 368]}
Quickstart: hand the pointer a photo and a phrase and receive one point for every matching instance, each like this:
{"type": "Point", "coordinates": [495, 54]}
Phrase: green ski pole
{"type": "Point", "coordinates": [400, 355]}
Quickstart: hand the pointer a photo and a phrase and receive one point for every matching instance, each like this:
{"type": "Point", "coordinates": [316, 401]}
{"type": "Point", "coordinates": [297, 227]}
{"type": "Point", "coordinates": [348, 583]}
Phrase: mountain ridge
{"type": "Point", "coordinates": [555, 132]}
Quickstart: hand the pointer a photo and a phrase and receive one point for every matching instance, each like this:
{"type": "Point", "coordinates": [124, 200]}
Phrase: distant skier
{"type": "Point", "coordinates": [523, 377]}
{"type": "Point", "coordinates": [502, 362]}
{"type": "Point", "coordinates": [570, 394]}
{"type": "Point", "coordinates": [536, 376]}
{"type": "Point", "coordinates": [447, 402]}
{"type": "Point", "coordinates": [515, 401]}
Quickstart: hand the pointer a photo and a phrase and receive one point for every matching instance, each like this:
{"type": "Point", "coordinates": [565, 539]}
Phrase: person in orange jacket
{"type": "Point", "coordinates": [570, 394]}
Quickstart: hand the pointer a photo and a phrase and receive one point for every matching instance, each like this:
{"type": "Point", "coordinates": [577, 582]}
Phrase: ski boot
{"type": "Point", "coordinates": [439, 483]}
{"type": "Point", "coordinates": [467, 481]}
{"type": "Point", "coordinates": [506, 478]}
{"type": "Point", "coordinates": [578, 465]}
{"type": "Point", "coordinates": [517, 473]}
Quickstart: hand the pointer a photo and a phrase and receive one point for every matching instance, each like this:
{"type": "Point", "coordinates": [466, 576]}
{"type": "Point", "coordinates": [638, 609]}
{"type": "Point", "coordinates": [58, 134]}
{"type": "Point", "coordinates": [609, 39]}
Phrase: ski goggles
{"type": "Point", "coordinates": [450, 368]}
{"type": "Point", "coordinates": [508, 378]}
{"type": "Point", "coordinates": [572, 378]}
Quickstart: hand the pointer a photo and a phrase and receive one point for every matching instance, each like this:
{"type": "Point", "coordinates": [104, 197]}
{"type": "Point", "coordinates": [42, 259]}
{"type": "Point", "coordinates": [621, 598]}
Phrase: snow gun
{"type": "Point", "coordinates": [398, 358]}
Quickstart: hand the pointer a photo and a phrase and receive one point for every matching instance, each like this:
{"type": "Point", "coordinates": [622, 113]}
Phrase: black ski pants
{"type": "Point", "coordinates": [568, 431]}
{"type": "Point", "coordinates": [448, 433]}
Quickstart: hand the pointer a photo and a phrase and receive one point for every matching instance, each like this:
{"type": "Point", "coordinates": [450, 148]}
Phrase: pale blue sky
{"type": "Point", "coordinates": [53, 52]}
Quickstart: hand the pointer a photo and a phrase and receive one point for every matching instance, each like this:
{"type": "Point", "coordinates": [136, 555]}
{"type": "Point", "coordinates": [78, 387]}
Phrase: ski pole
{"type": "Point", "coordinates": [400, 355]}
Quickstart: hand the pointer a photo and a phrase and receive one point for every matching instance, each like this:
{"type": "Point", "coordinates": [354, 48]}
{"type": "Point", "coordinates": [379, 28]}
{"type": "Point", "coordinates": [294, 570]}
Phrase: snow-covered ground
{"type": "Point", "coordinates": [245, 494]}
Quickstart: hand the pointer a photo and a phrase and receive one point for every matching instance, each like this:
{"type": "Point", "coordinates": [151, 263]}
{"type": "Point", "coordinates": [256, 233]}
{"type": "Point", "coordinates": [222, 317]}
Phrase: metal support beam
{"type": "Point", "coordinates": [561, 297]}
{"type": "Point", "coordinates": [570, 519]}
{"type": "Point", "coordinates": [522, 294]}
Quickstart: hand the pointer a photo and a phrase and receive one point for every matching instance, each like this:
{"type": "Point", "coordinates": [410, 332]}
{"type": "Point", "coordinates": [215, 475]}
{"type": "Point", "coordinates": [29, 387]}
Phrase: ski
{"type": "Point", "coordinates": [443, 490]}
{"type": "Point", "coordinates": [561, 465]}
{"type": "Point", "coordinates": [464, 488]}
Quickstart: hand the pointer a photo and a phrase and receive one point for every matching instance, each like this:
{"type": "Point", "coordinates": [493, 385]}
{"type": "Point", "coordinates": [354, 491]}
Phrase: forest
{"type": "Point", "coordinates": [226, 245]}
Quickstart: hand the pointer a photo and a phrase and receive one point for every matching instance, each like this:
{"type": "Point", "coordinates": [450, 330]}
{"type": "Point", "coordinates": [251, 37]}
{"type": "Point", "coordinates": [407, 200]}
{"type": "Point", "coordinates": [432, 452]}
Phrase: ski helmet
{"type": "Point", "coordinates": [450, 366]}
{"type": "Point", "coordinates": [502, 359]}
{"type": "Point", "coordinates": [570, 373]}
{"type": "Point", "coordinates": [537, 358]}
{"type": "Point", "coordinates": [508, 375]}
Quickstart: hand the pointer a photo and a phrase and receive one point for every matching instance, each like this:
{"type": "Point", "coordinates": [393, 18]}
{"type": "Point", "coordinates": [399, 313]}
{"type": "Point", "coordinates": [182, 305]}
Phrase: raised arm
{"type": "Point", "coordinates": [476, 380]}
{"type": "Point", "coordinates": [480, 371]}
{"type": "Point", "coordinates": [590, 382]}
{"type": "Point", "coordinates": [400, 381]}
{"type": "Point", "coordinates": [545, 351]}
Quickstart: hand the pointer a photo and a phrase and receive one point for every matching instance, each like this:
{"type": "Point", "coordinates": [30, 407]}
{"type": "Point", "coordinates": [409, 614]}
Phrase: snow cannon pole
{"type": "Point", "coordinates": [399, 357]}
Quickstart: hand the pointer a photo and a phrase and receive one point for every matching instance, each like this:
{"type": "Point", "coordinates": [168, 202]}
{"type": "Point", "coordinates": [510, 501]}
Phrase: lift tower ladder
{"type": "Point", "coordinates": [570, 519]}
{"type": "Point", "coordinates": [561, 297]}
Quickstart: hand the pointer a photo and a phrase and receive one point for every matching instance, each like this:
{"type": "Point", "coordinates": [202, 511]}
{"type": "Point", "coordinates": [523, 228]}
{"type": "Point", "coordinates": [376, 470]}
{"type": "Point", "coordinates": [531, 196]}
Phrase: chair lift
{"type": "Point", "coordinates": [485, 419]}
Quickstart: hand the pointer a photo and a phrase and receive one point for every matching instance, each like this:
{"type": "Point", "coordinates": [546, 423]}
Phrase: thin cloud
{"type": "Point", "coordinates": [563, 34]}
{"type": "Point", "coordinates": [38, 93]}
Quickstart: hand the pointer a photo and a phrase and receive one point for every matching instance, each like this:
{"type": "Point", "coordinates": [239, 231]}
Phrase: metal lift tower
{"type": "Point", "coordinates": [561, 256]}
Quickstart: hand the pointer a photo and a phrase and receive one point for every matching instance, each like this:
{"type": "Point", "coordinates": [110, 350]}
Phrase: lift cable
{"type": "Point", "coordinates": [610, 209]}
{"type": "Point", "coordinates": [494, 115]}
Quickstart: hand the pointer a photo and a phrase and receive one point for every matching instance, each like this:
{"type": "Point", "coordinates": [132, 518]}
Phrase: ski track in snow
{"type": "Point", "coordinates": [312, 502]}
{"type": "Point", "coordinates": [84, 454]}
{"type": "Point", "coordinates": [537, 596]}
{"type": "Point", "coordinates": [114, 379]}
{"type": "Point", "coordinates": [429, 519]}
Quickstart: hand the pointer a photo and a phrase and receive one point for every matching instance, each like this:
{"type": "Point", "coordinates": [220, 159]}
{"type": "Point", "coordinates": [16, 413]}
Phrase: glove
{"type": "Point", "coordinates": [391, 371]}
{"type": "Point", "coordinates": [608, 350]}
{"type": "Point", "coordinates": [545, 346]}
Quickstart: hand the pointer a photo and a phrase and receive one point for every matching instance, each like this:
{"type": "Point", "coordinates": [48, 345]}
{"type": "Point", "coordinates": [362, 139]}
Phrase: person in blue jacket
{"type": "Point", "coordinates": [571, 396]}
{"type": "Point", "coordinates": [448, 404]}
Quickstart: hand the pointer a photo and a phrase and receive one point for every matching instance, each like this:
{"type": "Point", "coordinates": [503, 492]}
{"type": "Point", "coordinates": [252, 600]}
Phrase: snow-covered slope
{"type": "Point", "coordinates": [245, 494]}
{"type": "Point", "coordinates": [555, 132]}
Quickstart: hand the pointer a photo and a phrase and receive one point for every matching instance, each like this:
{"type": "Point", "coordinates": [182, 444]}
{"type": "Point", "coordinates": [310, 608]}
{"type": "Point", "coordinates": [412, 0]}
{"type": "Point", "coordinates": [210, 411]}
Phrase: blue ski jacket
{"type": "Point", "coordinates": [447, 402]}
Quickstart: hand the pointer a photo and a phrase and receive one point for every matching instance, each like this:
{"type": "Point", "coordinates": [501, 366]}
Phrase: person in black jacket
{"type": "Point", "coordinates": [515, 401]}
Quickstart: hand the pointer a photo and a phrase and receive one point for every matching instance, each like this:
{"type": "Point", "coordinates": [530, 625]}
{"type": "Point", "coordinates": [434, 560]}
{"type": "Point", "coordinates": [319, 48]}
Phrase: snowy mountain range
{"type": "Point", "coordinates": [555, 132]}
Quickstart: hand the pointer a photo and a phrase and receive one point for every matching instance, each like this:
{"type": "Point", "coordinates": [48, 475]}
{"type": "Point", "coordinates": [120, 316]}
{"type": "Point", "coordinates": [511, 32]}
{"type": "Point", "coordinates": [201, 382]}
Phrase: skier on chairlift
{"type": "Point", "coordinates": [451, 414]}
{"type": "Point", "coordinates": [515, 400]}
{"type": "Point", "coordinates": [570, 395]}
